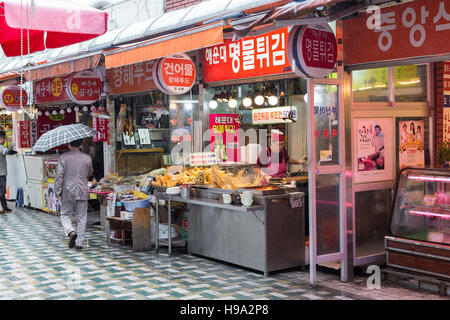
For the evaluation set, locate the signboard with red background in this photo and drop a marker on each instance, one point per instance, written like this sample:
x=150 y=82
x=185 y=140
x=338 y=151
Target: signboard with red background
x=51 y=90
x=26 y=138
x=174 y=74
x=247 y=58
x=10 y=98
x=312 y=50
x=47 y=123
x=226 y=126
x=101 y=125
x=131 y=78
x=413 y=29
x=84 y=87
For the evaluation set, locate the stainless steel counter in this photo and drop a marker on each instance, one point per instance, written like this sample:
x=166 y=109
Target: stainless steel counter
x=267 y=236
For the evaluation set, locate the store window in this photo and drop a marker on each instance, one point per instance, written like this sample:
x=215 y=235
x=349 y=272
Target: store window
x=260 y=107
x=371 y=85
x=410 y=83
x=374 y=85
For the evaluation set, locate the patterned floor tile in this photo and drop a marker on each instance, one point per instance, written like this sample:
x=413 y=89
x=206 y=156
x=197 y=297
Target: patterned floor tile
x=44 y=268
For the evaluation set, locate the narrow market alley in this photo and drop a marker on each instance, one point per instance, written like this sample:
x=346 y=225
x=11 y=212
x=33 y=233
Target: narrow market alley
x=35 y=263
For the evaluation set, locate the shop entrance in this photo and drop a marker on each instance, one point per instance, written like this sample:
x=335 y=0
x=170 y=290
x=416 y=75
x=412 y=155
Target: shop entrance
x=326 y=149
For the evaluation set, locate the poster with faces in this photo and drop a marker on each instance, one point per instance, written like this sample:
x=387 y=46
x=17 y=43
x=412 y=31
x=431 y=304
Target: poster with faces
x=373 y=145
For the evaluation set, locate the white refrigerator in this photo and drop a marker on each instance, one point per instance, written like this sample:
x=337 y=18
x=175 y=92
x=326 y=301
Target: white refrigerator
x=35 y=193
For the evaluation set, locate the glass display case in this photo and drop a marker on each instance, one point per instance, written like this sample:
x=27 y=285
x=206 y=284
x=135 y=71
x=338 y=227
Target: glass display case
x=419 y=224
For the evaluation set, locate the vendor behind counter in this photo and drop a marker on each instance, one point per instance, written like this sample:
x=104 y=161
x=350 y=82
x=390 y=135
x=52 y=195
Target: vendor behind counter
x=273 y=160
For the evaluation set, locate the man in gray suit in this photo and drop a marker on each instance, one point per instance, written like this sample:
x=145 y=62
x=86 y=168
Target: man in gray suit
x=74 y=168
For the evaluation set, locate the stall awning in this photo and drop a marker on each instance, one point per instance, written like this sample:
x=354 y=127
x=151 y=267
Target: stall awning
x=8 y=76
x=63 y=68
x=304 y=12
x=185 y=41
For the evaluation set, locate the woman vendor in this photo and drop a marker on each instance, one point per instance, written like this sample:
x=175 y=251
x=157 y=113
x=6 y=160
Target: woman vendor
x=273 y=160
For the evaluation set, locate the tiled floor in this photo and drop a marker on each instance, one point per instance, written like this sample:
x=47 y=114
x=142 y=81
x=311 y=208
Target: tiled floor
x=35 y=263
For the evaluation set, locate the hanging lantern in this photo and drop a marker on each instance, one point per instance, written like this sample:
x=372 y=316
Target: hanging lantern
x=85 y=109
x=47 y=113
x=39 y=113
x=77 y=109
x=69 y=110
x=62 y=111
x=93 y=109
x=54 y=112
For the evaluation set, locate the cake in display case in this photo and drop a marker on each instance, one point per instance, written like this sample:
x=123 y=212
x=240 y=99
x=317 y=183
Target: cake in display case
x=418 y=238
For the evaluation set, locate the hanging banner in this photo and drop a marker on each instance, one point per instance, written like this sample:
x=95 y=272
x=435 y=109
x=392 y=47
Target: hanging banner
x=174 y=74
x=411 y=143
x=373 y=145
x=51 y=90
x=10 y=98
x=24 y=134
x=131 y=78
x=312 y=50
x=101 y=125
x=413 y=29
x=249 y=57
x=84 y=87
x=224 y=137
x=273 y=115
x=46 y=123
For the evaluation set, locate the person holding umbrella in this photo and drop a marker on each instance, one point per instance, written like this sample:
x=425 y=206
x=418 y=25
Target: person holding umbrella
x=73 y=170
x=3 y=171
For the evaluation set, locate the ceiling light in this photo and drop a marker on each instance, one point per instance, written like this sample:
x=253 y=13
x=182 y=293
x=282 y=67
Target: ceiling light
x=213 y=104
x=247 y=102
x=273 y=100
x=232 y=103
x=259 y=100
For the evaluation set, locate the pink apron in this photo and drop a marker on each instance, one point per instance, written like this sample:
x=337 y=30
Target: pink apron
x=276 y=170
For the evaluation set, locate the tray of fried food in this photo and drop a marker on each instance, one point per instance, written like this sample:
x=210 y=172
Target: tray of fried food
x=165 y=181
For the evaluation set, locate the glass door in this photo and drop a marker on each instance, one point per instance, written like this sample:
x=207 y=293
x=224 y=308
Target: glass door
x=326 y=149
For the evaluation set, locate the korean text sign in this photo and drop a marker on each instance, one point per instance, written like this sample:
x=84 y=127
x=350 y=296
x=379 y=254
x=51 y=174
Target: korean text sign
x=249 y=57
x=51 y=90
x=101 y=125
x=47 y=123
x=273 y=115
x=131 y=78
x=413 y=29
x=25 y=134
x=224 y=127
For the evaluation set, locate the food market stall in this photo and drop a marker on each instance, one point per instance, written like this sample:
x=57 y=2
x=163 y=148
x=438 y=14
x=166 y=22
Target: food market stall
x=234 y=217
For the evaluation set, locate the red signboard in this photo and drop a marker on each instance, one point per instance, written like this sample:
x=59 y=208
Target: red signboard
x=25 y=134
x=47 y=123
x=84 y=87
x=313 y=50
x=131 y=78
x=51 y=90
x=414 y=29
x=224 y=137
x=247 y=58
x=10 y=98
x=174 y=74
x=101 y=125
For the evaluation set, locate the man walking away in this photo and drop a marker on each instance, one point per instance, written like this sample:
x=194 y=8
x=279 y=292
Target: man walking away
x=3 y=171
x=74 y=168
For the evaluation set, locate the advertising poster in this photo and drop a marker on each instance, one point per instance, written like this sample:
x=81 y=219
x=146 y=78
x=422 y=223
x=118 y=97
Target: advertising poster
x=373 y=145
x=411 y=144
x=224 y=137
x=51 y=197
